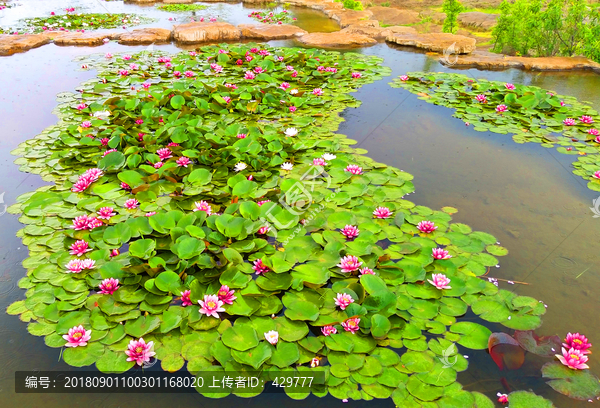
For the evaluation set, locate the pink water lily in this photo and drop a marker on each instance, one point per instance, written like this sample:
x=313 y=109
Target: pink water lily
x=481 y=98
x=216 y=67
x=249 y=75
x=158 y=165
x=382 y=212
x=260 y=267
x=319 y=161
x=123 y=72
x=586 y=119
x=440 y=281
x=573 y=358
x=343 y=300
x=125 y=186
x=351 y=325
x=366 y=271
x=126 y=57
x=293 y=109
x=134 y=67
x=594 y=132
x=226 y=295
x=109 y=151
x=578 y=342
x=176 y=74
x=501 y=108
x=241 y=135
x=349 y=263
x=263 y=230
x=439 y=253
x=79 y=248
x=328 y=330
x=403 y=78
x=189 y=74
x=356 y=75
x=317 y=92
x=183 y=161
x=105 y=213
x=85 y=222
x=81 y=106
x=211 y=306
x=354 y=169
x=509 y=86
x=86 y=124
x=202 y=206
x=109 y=286
x=596 y=174
x=74 y=266
x=232 y=86
x=132 y=204
x=569 y=122
x=426 y=227
x=502 y=398
x=77 y=336
x=272 y=337
x=284 y=85
x=227 y=99
x=140 y=351
x=146 y=85
x=350 y=231
x=185 y=298
x=262 y=202
x=164 y=153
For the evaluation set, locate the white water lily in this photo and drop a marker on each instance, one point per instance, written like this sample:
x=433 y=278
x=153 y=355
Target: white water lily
x=287 y=166
x=294 y=91
x=291 y=132
x=240 y=166
x=102 y=114
x=272 y=337
x=329 y=156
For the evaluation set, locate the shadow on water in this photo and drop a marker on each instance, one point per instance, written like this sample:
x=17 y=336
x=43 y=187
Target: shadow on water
x=523 y=194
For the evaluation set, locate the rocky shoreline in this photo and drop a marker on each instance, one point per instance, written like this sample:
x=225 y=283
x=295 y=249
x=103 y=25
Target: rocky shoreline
x=358 y=29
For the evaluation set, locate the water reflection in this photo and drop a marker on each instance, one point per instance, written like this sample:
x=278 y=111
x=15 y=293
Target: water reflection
x=523 y=194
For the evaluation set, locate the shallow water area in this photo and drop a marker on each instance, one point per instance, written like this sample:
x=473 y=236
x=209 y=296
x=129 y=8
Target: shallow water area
x=233 y=13
x=525 y=195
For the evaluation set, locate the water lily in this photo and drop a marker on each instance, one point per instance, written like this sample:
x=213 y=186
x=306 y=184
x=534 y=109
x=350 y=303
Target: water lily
x=439 y=253
x=260 y=203
x=176 y=74
x=134 y=67
x=291 y=132
x=109 y=286
x=81 y=106
x=328 y=330
x=578 y=342
x=594 y=132
x=185 y=298
x=202 y=206
x=501 y=108
x=241 y=135
x=126 y=57
x=105 y=213
x=284 y=85
x=350 y=231
x=509 y=86
x=79 y=248
x=272 y=337
x=260 y=267
x=573 y=358
x=240 y=166
x=349 y=263
x=382 y=212
x=586 y=119
x=403 y=78
x=108 y=55
x=315 y=362
x=319 y=161
x=356 y=75
x=351 y=325
x=317 y=92
x=164 y=153
x=263 y=230
x=596 y=174
x=502 y=398
x=150 y=213
x=77 y=336
x=140 y=351
x=440 y=281
x=125 y=186
x=86 y=124
x=102 y=114
x=211 y=305
x=85 y=222
x=183 y=161
x=131 y=204
x=426 y=227
x=123 y=72
x=226 y=295
x=109 y=151
x=569 y=122
x=481 y=98
x=249 y=75
x=287 y=166
x=74 y=266
x=353 y=169
x=366 y=271
x=343 y=300
x=329 y=156
x=293 y=109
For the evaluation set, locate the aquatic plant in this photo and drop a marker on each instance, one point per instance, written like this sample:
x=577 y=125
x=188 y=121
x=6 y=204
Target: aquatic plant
x=530 y=113
x=181 y=8
x=283 y=17
x=207 y=256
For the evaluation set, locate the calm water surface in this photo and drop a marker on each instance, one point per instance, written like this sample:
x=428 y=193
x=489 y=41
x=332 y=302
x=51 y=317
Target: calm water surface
x=523 y=194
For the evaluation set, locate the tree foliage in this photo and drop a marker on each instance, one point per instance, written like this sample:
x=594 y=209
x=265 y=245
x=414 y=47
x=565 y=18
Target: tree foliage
x=452 y=8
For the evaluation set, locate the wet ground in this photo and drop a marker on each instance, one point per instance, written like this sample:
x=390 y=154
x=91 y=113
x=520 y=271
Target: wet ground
x=525 y=195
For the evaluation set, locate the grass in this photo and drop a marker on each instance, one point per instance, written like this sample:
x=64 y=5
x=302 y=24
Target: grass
x=181 y=8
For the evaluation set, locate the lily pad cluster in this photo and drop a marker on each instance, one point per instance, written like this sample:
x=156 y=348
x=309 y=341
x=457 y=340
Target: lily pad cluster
x=271 y=17
x=529 y=113
x=181 y=8
x=178 y=175
x=78 y=21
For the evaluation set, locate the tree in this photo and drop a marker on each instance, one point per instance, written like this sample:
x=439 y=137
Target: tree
x=452 y=8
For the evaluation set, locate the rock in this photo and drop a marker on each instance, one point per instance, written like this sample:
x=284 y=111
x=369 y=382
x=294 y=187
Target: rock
x=377 y=33
x=140 y=1
x=348 y=17
x=394 y=16
x=478 y=20
x=489 y=60
x=266 y=32
x=193 y=33
x=146 y=36
x=437 y=42
x=12 y=44
x=336 y=39
x=86 y=39
x=178 y=1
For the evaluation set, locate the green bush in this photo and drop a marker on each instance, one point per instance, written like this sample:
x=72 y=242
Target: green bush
x=452 y=8
x=542 y=28
x=353 y=5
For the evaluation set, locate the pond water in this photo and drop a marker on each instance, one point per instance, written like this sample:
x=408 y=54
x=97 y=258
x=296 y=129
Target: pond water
x=233 y=13
x=525 y=195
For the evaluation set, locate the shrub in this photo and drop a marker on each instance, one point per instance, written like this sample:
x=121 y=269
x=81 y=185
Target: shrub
x=353 y=5
x=452 y=8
